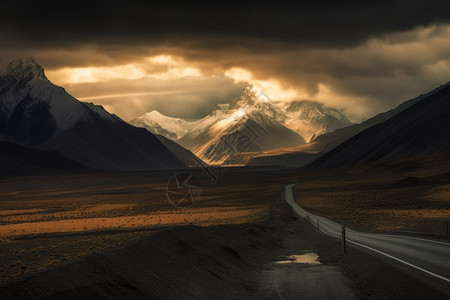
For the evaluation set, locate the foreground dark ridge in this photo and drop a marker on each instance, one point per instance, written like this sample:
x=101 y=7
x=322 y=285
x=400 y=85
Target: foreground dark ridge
x=421 y=129
x=234 y=261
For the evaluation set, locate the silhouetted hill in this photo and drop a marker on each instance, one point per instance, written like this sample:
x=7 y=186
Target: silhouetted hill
x=421 y=129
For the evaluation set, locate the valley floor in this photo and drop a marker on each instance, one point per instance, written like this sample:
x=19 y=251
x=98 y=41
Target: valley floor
x=409 y=196
x=117 y=236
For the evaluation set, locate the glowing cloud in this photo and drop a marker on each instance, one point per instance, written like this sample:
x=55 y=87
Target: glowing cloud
x=95 y=74
x=164 y=67
x=265 y=89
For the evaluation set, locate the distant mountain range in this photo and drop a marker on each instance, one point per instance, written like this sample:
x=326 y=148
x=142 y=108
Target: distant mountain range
x=311 y=119
x=38 y=114
x=305 y=154
x=45 y=130
x=249 y=123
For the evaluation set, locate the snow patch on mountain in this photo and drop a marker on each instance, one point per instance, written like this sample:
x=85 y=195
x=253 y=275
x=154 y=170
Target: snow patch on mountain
x=155 y=122
x=249 y=122
x=250 y=116
x=311 y=119
x=307 y=118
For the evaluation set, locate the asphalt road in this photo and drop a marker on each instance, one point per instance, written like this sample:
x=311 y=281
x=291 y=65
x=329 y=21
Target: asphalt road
x=429 y=258
x=294 y=281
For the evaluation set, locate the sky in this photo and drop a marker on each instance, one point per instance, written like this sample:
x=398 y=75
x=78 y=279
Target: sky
x=184 y=57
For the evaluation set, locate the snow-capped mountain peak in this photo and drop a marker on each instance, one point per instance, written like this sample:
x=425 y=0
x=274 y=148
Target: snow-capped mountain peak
x=250 y=117
x=156 y=122
x=260 y=94
x=306 y=109
x=255 y=104
x=249 y=96
x=311 y=119
x=15 y=81
x=37 y=113
x=157 y=116
x=24 y=88
x=24 y=69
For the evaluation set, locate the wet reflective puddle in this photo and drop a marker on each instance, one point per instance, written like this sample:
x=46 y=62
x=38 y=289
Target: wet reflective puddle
x=306 y=258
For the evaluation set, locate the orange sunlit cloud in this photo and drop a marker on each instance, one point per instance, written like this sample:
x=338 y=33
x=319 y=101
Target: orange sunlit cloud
x=159 y=67
x=362 y=80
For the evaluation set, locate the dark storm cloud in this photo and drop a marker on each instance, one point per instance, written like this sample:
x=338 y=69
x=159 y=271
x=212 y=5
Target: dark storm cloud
x=324 y=23
x=369 y=55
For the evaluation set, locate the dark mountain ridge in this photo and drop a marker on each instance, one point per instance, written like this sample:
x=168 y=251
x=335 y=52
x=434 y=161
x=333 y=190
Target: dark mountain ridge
x=39 y=114
x=421 y=129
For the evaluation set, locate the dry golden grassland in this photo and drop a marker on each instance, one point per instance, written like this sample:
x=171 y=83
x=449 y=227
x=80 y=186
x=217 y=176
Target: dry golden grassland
x=46 y=221
x=382 y=197
x=49 y=220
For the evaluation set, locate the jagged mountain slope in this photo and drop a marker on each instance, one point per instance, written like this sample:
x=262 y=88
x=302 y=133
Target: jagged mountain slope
x=420 y=129
x=246 y=124
x=286 y=126
x=39 y=114
x=157 y=123
x=189 y=158
x=311 y=119
x=301 y=156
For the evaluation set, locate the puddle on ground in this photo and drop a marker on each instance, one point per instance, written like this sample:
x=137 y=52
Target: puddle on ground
x=307 y=258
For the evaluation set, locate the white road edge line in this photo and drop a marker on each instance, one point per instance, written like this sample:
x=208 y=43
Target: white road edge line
x=380 y=252
x=414 y=238
x=390 y=256
x=400 y=260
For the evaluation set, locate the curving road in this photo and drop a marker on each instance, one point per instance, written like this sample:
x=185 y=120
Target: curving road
x=428 y=257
